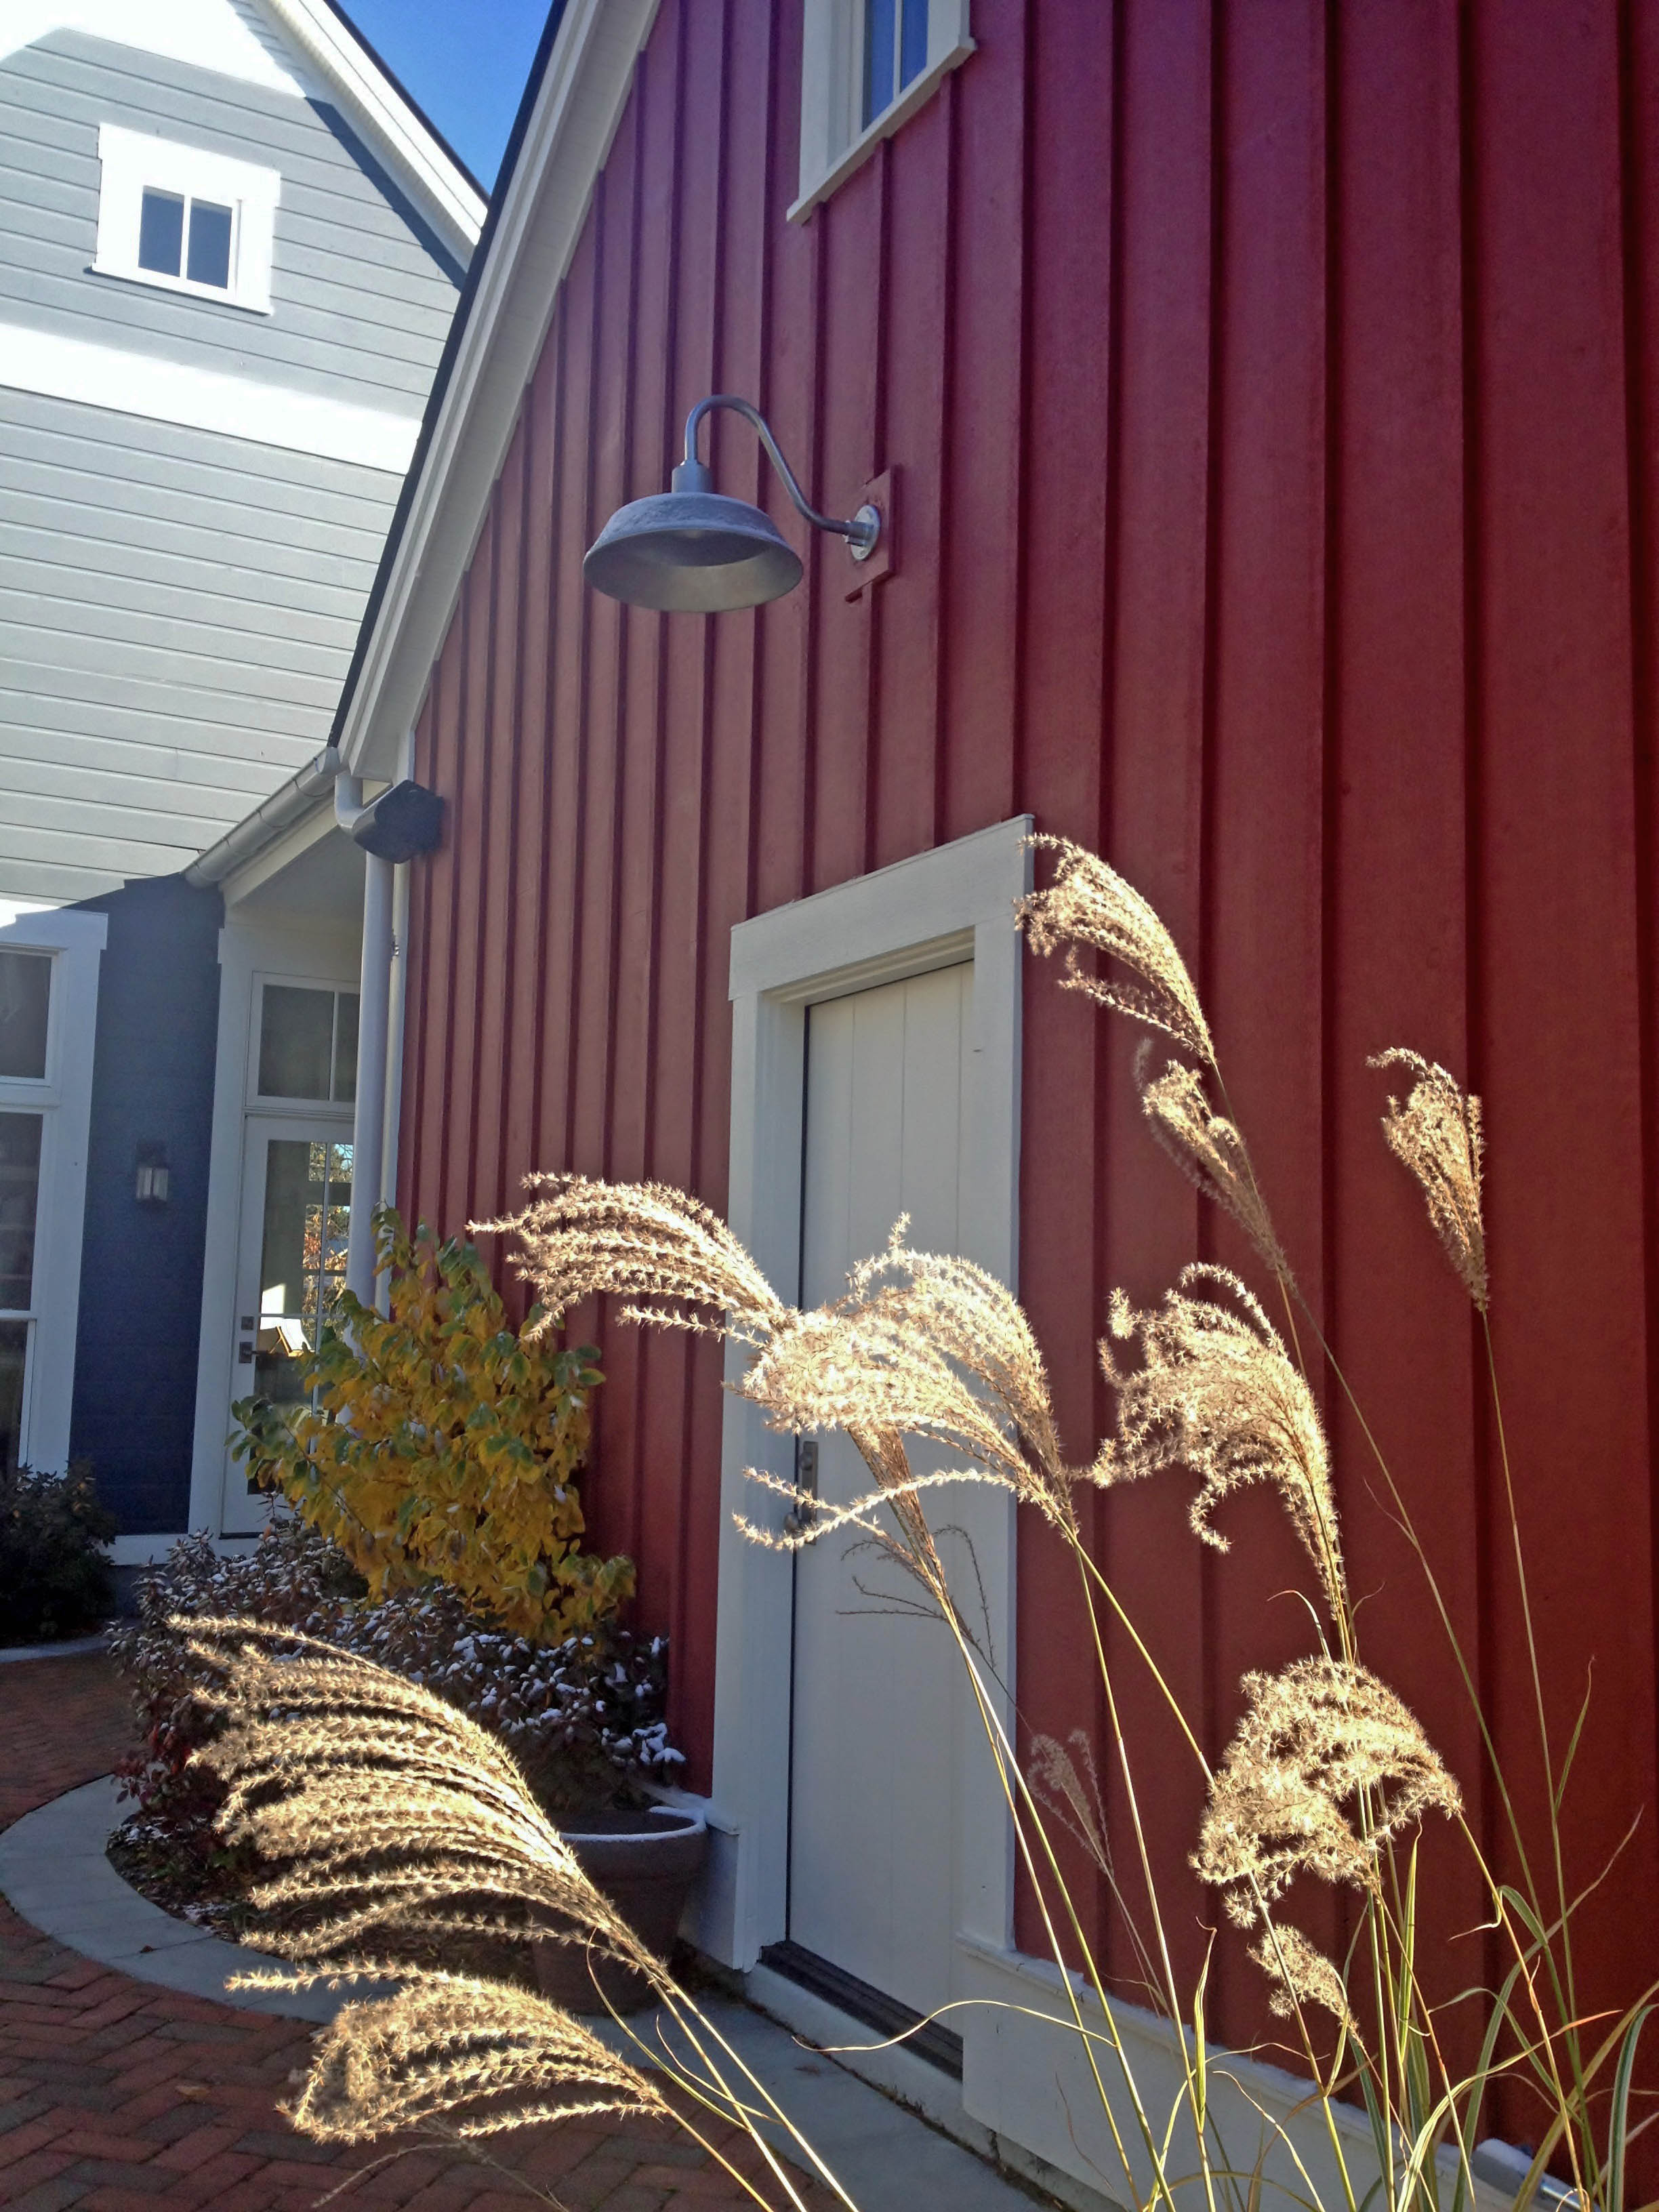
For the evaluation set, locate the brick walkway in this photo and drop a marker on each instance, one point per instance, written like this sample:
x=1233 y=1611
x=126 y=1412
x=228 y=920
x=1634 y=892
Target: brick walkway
x=118 y=2096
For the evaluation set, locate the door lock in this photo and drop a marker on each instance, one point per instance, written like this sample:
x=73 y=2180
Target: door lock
x=798 y=1521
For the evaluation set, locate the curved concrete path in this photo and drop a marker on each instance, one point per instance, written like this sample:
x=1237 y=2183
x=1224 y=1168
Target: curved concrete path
x=55 y=1873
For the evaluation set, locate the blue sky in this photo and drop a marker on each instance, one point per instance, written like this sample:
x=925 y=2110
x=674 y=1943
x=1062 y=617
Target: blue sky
x=465 y=61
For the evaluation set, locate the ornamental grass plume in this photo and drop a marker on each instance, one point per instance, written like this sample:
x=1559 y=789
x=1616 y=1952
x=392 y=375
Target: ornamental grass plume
x=479 y=2056
x=1300 y=1974
x=393 y=1814
x=578 y=1238
x=1319 y=1735
x=1089 y=904
x=1209 y=1151
x=1436 y=1132
x=1217 y=1394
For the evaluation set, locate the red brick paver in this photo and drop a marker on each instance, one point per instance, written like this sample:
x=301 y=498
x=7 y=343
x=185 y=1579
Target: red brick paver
x=118 y=2096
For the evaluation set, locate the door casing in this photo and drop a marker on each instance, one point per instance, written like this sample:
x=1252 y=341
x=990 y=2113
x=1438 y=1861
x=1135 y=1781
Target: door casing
x=934 y=910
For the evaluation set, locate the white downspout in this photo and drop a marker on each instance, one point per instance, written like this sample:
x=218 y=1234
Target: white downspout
x=392 y=1120
x=373 y=1032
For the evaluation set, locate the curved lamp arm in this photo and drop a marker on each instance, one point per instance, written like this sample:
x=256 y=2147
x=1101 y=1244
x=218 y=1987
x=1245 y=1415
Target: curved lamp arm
x=860 y=530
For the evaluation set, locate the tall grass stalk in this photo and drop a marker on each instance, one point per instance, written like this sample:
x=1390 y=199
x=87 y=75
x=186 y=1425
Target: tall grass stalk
x=1327 y=1777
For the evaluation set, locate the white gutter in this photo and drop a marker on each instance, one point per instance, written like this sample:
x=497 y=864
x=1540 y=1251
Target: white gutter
x=303 y=794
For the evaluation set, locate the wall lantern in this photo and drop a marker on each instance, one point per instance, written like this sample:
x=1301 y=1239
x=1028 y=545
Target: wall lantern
x=689 y=550
x=152 y=1176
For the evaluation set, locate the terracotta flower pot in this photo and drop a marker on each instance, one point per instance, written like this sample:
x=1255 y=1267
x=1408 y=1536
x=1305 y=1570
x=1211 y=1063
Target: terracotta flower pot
x=645 y=1863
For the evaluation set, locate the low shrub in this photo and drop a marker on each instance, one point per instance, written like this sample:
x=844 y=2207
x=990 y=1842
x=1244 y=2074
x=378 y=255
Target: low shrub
x=54 y=1574
x=585 y=1717
x=443 y=1444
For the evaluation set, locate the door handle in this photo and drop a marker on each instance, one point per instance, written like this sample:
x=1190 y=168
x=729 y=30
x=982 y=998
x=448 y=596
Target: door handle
x=798 y=1521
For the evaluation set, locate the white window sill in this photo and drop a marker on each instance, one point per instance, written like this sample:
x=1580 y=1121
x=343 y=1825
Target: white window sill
x=916 y=94
x=154 y=281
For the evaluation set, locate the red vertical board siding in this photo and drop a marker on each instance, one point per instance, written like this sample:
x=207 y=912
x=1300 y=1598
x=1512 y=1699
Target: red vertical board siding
x=1271 y=397
x=1553 y=940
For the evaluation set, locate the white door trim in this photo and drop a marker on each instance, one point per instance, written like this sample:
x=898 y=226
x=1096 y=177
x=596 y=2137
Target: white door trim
x=249 y=954
x=928 y=912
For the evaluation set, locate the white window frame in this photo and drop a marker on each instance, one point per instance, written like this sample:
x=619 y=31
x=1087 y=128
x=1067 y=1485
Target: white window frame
x=834 y=141
x=134 y=163
x=63 y=1098
x=264 y=1102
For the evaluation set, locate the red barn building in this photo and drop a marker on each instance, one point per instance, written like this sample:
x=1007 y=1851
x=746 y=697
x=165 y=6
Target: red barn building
x=1268 y=397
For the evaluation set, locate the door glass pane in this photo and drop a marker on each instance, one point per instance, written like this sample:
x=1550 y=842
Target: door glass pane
x=20 y=1189
x=210 y=244
x=25 y=995
x=14 y=1363
x=296 y=1040
x=302 y=1258
x=161 y=233
x=345 y=1049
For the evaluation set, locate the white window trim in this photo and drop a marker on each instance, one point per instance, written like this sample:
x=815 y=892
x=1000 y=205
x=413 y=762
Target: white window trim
x=132 y=162
x=832 y=142
x=64 y=1099
x=263 y=1103
x=925 y=912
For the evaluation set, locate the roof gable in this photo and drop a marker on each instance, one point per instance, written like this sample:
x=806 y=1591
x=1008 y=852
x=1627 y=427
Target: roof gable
x=301 y=48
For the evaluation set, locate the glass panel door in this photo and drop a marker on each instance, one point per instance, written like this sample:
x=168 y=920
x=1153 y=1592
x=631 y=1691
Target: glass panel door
x=20 y=1198
x=297 y=1214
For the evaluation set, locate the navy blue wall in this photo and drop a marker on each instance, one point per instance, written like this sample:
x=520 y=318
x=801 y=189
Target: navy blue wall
x=141 y=1269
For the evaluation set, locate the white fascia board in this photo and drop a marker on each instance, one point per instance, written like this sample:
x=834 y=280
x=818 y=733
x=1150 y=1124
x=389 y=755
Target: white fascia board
x=163 y=391
x=584 y=90
x=375 y=108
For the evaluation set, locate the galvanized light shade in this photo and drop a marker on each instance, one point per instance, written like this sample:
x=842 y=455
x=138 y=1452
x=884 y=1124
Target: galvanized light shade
x=691 y=551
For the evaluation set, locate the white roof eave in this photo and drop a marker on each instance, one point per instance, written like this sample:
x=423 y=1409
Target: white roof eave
x=583 y=89
x=380 y=113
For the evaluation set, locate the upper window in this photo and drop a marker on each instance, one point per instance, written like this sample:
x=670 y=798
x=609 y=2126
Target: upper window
x=308 y=1044
x=866 y=65
x=185 y=220
x=25 y=1004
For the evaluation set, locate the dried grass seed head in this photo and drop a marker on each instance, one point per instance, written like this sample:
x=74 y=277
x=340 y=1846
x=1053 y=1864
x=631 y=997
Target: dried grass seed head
x=483 y=2055
x=1216 y=1393
x=389 y=1811
x=1303 y=1975
x=1209 y=1150
x=1436 y=1132
x=1313 y=1739
x=673 y=1258
x=1088 y=903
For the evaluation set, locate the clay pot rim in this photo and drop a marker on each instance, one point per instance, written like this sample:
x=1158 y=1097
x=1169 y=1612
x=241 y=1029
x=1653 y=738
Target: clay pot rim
x=676 y=1823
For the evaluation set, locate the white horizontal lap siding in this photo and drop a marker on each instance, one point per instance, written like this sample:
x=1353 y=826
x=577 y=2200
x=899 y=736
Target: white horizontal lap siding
x=160 y=674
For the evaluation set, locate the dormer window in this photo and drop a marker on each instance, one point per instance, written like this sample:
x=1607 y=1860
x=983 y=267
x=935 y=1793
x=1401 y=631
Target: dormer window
x=185 y=220
x=866 y=66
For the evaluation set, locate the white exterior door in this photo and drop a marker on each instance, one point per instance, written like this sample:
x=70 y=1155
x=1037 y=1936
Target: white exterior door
x=879 y=1705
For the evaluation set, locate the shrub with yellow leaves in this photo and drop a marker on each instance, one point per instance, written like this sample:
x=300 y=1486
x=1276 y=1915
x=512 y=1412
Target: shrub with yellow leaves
x=437 y=1442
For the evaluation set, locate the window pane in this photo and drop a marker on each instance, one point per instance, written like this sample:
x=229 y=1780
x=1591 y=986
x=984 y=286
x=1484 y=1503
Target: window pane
x=20 y=1191
x=210 y=244
x=14 y=1363
x=296 y=1034
x=345 y=1047
x=24 y=993
x=161 y=233
x=879 y=28
x=913 y=42
x=302 y=1258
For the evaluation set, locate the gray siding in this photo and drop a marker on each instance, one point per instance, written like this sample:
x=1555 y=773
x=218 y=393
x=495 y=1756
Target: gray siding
x=362 y=292
x=177 y=610
x=178 y=607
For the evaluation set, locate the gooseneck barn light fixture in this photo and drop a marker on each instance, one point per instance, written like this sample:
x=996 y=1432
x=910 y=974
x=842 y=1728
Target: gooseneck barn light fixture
x=691 y=551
